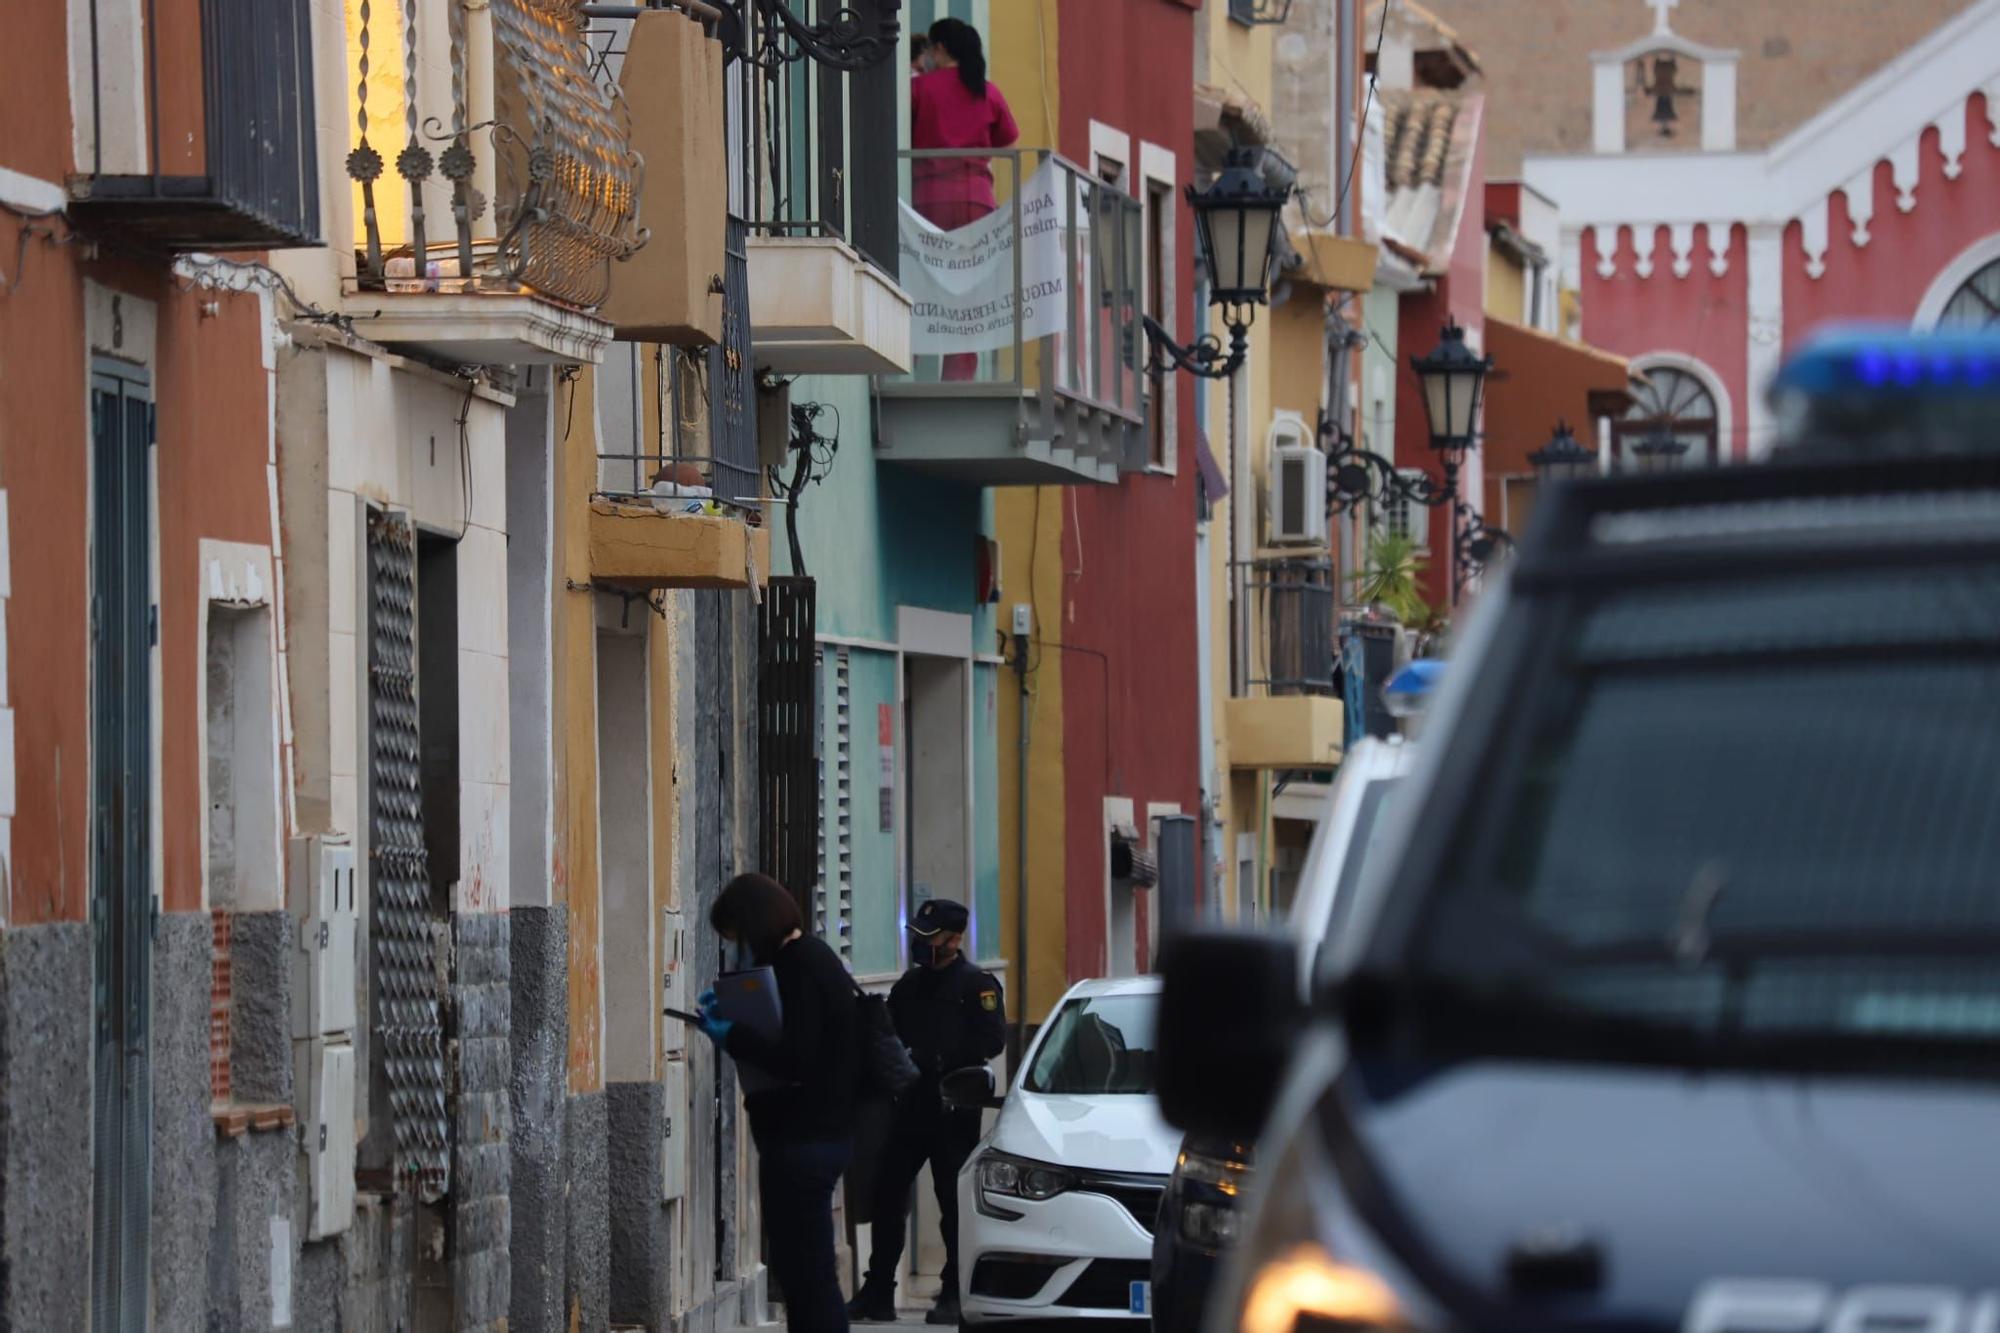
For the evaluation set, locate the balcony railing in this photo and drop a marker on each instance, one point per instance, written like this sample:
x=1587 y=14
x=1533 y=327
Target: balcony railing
x=679 y=424
x=508 y=169
x=819 y=159
x=1300 y=632
x=1039 y=305
x=227 y=160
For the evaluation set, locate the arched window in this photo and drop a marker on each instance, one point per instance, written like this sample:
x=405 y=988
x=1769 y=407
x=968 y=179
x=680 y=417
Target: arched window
x=1673 y=401
x=1975 y=306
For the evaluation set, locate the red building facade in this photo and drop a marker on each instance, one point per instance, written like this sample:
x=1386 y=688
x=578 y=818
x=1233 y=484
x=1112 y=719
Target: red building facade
x=1131 y=650
x=1710 y=264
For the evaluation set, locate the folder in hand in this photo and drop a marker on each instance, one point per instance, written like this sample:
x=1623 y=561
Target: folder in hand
x=751 y=998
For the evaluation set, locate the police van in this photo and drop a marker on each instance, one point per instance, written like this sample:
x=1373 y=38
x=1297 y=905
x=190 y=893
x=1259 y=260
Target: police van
x=1672 y=1001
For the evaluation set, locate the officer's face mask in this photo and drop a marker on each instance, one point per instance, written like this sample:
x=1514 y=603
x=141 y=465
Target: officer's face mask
x=932 y=950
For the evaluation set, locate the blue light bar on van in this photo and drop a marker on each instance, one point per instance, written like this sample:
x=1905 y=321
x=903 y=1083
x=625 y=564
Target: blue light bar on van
x=1893 y=361
x=1409 y=689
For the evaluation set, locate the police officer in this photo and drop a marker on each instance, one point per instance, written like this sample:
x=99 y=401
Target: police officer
x=951 y=1016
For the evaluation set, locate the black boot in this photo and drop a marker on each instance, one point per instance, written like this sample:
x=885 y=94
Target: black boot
x=873 y=1304
x=945 y=1312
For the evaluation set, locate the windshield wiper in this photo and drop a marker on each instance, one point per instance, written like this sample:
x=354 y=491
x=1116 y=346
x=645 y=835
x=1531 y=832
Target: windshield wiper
x=1689 y=940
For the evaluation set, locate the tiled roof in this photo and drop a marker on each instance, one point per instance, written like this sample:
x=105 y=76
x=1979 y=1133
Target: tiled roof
x=1416 y=133
x=1428 y=140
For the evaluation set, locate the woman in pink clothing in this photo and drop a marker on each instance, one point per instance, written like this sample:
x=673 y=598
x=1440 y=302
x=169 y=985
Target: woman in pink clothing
x=953 y=106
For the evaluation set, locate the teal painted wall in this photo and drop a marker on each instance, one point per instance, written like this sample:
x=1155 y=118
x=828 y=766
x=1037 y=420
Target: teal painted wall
x=875 y=538
x=987 y=681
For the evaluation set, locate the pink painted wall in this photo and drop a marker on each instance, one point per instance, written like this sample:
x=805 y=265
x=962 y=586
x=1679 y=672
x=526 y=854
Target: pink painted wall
x=1701 y=315
x=1887 y=278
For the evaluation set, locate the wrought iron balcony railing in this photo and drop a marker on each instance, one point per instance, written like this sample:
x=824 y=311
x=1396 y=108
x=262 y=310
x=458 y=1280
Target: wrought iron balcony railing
x=1301 y=641
x=679 y=424
x=224 y=160
x=820 y=157
x=508 y=169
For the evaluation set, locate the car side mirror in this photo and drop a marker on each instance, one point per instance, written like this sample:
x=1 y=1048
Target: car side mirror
x=969 y=1089
x=1229 y=1013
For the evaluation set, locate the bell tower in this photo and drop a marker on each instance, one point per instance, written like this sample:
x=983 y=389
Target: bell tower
x=1659 y=64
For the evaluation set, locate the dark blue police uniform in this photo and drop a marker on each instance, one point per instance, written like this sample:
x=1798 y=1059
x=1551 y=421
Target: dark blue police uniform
x=951 y=1017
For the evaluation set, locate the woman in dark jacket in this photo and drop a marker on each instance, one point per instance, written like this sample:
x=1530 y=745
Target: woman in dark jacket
x=803 y=1127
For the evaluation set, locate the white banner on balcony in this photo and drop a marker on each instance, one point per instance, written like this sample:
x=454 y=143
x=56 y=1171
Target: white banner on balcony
x=962 y=281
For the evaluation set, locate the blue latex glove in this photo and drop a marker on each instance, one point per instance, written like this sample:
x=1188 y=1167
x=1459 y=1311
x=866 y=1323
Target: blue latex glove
x=714 y=1027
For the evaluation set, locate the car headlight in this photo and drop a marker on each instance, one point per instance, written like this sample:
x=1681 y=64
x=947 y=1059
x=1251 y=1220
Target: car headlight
x=1018 y=1178
x=1306 y=1287
x=1212 y=1226
x=1224 y=1173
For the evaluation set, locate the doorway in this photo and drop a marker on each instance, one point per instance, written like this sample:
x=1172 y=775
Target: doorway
x=937 y=851
x=121 y=882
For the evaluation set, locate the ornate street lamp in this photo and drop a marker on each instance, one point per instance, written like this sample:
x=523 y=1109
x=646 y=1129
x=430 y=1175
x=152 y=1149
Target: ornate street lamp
x=1660 y=451
x=1563 y=458
x=1237 y=218
x=1454 y=381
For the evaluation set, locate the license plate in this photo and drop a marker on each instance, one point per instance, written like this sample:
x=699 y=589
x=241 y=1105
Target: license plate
x=1141 y=1298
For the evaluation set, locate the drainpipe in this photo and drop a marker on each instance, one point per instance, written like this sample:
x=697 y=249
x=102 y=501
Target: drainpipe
x=1019 y=1044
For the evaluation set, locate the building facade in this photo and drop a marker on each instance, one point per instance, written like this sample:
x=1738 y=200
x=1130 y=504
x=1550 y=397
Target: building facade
x=1704 y=260
x=389 y=715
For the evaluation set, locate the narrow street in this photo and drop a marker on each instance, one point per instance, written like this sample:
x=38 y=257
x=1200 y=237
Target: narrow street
x=646 y=648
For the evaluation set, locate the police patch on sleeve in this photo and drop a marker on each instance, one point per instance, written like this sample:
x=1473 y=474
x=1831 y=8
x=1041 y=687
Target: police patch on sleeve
x=989 y=1000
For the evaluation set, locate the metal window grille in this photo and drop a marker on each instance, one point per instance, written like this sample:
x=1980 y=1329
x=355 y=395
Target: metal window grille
x=406 y=1002
x=836 y=906
x=787 y=715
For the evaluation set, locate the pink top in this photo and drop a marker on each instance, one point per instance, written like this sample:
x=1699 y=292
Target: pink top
x=945 y=114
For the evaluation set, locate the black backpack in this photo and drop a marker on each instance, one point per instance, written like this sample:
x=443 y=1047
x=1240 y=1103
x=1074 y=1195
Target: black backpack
x=887 y=1071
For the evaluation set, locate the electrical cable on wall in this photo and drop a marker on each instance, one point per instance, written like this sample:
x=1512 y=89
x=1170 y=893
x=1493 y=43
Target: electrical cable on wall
x=812 y=463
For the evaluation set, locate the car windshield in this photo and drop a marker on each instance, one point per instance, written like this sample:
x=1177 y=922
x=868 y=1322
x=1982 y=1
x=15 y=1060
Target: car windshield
x=1741 y=814
x=1096 y=1046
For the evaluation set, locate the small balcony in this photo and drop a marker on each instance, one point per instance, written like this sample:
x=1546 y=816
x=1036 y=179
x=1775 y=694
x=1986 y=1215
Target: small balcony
x=223 y=153
x=494 y=178
x=818 y=190
x=1029 y=351
x=1286 y=714
x=678 y=497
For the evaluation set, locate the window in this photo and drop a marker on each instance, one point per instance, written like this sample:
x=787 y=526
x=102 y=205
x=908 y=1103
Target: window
x=1099 y=1045
x=1668 y=401
x=1975 y=306
x=1758 y=885
x=1158 y=279
x=1407 y=518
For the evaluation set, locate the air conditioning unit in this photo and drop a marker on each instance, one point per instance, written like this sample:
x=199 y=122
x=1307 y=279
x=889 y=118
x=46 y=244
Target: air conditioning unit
x=1297 y=513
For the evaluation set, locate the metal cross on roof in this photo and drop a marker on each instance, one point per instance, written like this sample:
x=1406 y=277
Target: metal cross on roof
x=1662 y=10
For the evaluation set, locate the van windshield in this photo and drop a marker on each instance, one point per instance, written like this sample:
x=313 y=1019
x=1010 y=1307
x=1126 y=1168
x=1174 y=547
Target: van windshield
x=1098 y=1045
x=1750 y=814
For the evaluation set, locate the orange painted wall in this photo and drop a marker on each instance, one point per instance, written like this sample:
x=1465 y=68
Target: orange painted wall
x=210 y=473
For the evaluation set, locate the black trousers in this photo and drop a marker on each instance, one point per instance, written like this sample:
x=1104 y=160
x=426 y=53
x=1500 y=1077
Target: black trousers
x=795 y=1183
x=920 y=1134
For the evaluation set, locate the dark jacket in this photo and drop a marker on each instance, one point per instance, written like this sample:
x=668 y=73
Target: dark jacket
x=950 y=1017
x=817 y=1052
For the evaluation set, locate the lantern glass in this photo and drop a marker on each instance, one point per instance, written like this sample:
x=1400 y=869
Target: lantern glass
x=1237 y=216
x=1563 y=458
x=1454 y=380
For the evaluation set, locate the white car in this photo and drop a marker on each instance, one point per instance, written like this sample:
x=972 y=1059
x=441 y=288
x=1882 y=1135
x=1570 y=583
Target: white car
x=1056 y=1206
